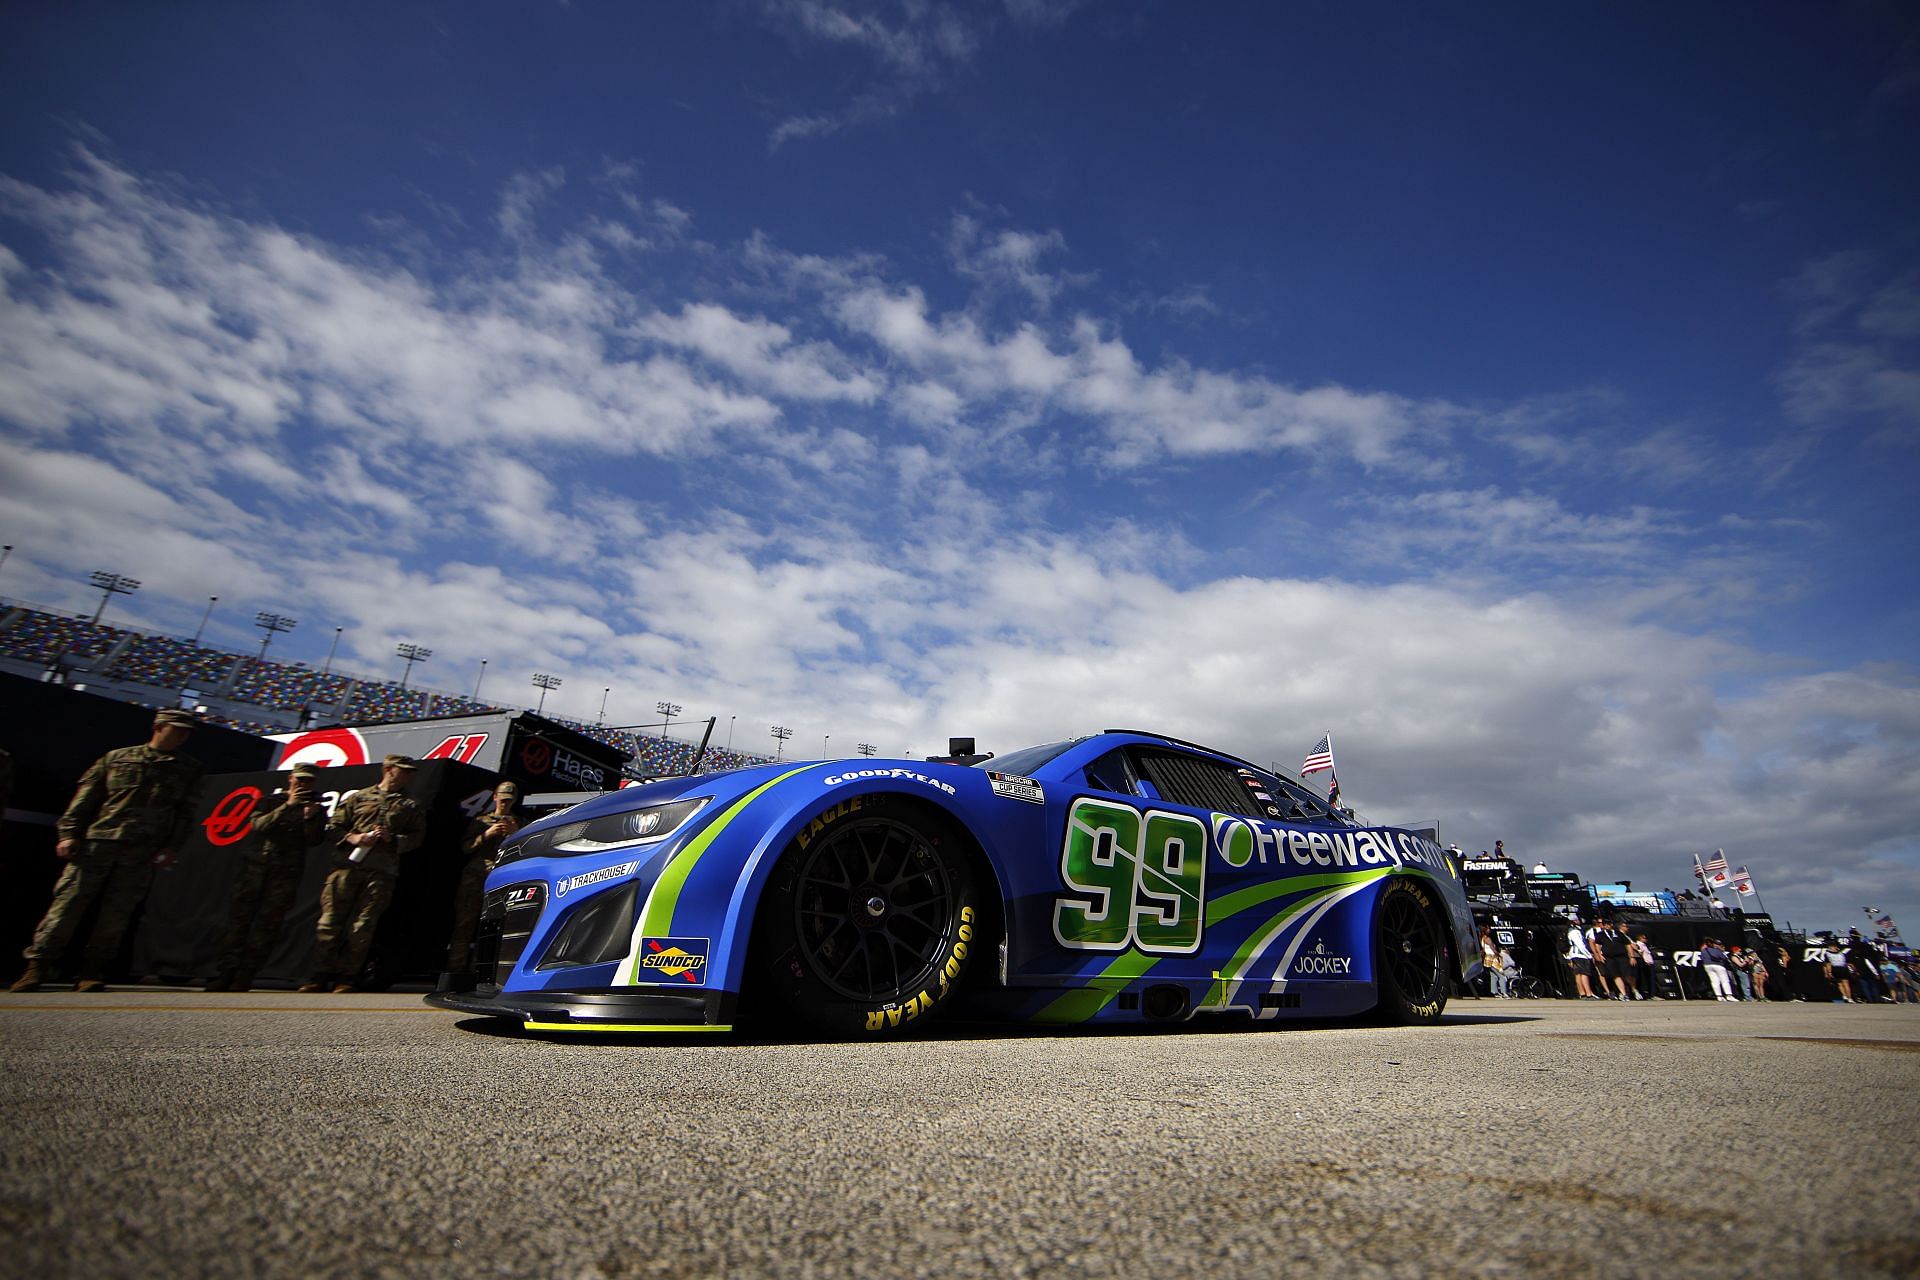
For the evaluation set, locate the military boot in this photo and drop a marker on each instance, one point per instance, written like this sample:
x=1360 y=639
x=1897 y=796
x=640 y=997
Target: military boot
x=28 y=981
x=89 y=984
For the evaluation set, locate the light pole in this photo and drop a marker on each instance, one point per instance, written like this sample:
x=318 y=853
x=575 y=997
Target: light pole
x=730 y=720
x=780 y=734
x=825 y=738
x=669 y=710
x=865 y=748
x=412 y=653
x=330 y=648
x=544 y=683
x=271 y=624
x=111 y=584
x=4 y=553
x=477 y=679
x=603 y=705
x=211 y=601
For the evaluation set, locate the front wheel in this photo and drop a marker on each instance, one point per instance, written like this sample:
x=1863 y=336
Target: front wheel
x=870 y=919
x=1409 y=955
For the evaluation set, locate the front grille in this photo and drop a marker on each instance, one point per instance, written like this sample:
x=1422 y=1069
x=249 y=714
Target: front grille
x=507 y=918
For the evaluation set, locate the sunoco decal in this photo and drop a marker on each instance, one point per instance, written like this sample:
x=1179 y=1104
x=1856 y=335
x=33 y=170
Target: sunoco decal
x=859 y=775
x=561 y=888
x=681 y=960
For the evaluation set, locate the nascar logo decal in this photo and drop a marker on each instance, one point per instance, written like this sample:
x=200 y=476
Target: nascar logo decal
x=684 y=959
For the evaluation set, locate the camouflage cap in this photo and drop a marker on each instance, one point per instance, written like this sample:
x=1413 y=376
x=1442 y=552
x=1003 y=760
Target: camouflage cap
x=397 y=761
x=509 y=789
x=174 y=719
x=304 y=771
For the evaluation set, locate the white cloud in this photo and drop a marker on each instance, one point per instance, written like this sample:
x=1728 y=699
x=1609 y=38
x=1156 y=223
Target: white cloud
x=763 y=354
x=1858 y=333
x=520 y=202
x=1009 y=259
x=914 y=45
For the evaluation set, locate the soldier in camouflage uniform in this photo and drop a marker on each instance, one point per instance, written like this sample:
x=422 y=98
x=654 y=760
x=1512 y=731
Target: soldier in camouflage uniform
x=130 y=814
x=481 y=843
x=267 y=877
x=375 y=827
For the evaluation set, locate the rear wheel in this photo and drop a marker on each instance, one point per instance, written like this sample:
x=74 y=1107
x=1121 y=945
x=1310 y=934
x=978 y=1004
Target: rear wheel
x=1410 y=955
x=870 y=918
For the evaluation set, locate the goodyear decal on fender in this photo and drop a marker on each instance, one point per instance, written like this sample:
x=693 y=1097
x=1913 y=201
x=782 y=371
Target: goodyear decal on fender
x=656 y=917
x=680 y=960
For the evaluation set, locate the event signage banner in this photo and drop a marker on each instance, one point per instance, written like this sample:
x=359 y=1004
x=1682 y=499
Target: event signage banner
x=535 y=752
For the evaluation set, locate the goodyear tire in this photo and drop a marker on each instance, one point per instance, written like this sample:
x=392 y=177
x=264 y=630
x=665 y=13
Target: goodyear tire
x=870 y=919
x=1410 y=955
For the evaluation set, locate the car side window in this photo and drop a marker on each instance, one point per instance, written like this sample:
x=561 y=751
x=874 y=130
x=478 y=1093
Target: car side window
x=1304 y=803
x=1112 y=773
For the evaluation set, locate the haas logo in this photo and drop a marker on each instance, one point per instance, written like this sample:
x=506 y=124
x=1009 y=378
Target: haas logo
x=327 y=748
x=537 y=756
x=228 y=821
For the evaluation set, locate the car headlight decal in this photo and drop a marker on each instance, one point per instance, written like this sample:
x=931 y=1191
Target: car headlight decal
x=608 y=831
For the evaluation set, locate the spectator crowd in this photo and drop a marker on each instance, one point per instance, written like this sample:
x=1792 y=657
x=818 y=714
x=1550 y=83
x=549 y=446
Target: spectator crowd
x=1603 y=960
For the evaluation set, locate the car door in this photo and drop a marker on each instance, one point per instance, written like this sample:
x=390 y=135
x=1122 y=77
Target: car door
x=1135 y=861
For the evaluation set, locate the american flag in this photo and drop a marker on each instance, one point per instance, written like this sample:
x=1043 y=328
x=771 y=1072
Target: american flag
x=1718 y=862
x=1743 y=884
x=1321 y=757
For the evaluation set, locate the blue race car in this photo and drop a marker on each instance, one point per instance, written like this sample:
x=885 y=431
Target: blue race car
x=1121 y=877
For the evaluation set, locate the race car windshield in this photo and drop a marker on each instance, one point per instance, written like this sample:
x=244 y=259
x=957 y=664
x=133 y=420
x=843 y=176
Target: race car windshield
x=1025 y=760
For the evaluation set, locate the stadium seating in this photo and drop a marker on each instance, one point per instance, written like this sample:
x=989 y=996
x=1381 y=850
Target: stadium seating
x=34 y=636
x=162 y=662
x=166 y=663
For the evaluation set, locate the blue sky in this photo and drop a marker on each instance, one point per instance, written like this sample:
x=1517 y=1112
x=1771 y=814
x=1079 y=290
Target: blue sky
x=1529 y=397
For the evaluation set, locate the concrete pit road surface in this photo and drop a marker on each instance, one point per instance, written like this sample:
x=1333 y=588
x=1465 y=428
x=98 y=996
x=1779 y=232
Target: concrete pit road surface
x=153 y=1131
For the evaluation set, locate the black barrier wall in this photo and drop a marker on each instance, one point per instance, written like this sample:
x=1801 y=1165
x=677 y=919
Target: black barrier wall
x=179 y=935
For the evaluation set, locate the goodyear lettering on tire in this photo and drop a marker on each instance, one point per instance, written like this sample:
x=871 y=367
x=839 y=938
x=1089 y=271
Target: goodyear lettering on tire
x=893 y=1016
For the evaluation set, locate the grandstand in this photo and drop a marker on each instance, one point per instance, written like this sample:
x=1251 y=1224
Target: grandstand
x=264 y=697
x=161 y=662
x=288 y=686
x=31 y=635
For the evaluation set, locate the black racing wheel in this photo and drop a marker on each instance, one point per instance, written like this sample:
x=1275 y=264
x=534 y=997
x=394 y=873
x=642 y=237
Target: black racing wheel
x=870 y=918
x=1409 y=954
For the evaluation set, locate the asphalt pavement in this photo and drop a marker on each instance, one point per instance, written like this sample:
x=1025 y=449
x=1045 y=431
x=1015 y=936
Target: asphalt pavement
x=150 y=1131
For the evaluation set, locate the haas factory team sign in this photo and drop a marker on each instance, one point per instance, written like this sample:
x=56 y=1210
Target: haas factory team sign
x=517 y=744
